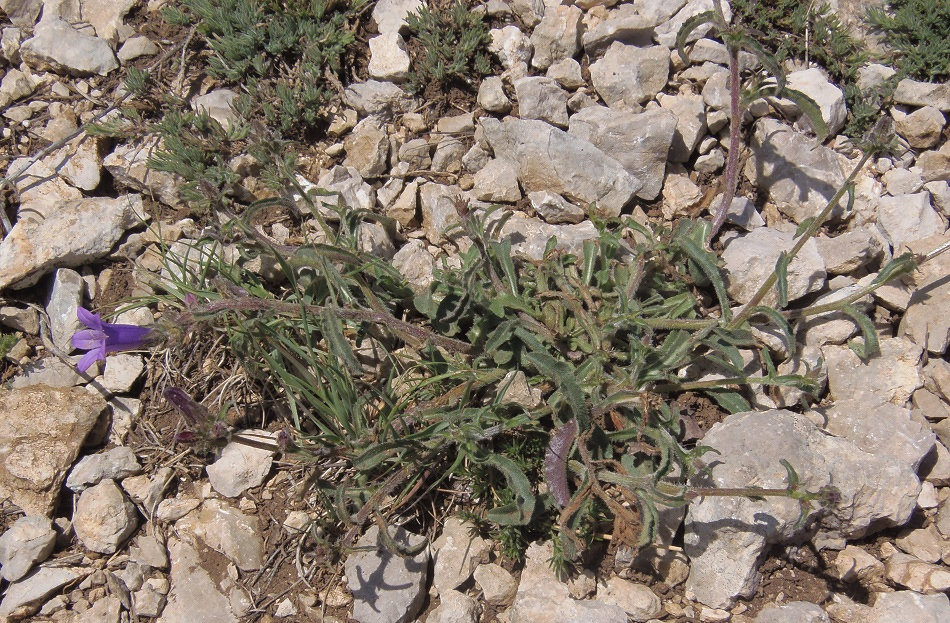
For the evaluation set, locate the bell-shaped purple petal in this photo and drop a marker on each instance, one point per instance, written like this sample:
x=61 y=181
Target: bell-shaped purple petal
x=105 y=337
x=194 y=413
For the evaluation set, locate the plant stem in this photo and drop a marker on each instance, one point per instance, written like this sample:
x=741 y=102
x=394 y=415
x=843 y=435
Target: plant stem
x=812 y=229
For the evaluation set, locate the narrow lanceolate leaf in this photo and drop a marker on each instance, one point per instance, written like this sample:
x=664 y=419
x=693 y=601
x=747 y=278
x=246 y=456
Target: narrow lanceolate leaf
x=339 y=346
x=691 y=24
x=771 y=64
x=703 y=259
x=803 y=226
x=782 y=323
x=555 y=462
x=871 y=346
x=563 y=377
x=729 y=400
x=519 y=512
x=781 y=281
x=901 y=265
x=808 y=106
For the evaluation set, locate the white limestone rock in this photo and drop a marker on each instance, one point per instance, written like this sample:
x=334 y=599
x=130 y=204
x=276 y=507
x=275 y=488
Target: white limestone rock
x=104 y=518
x=806 y=272
x=240 y=466
x=29 y=541
x=59 y=47
x=627 y=77
x=389 y=58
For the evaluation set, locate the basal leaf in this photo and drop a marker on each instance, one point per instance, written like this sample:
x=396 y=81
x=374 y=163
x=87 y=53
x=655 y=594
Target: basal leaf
x=518 y=512
x=705 y=260
x=731 y=401
x=564 y=379
x=555 y=462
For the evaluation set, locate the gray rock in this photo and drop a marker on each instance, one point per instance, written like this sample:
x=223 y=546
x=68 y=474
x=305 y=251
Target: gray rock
x=386 y=588
x=922 y=128
x=806 y=362
x=711 y=162
x=832 y=327
x=554 y=160
x=52 y=372
x=637 y=600
x=554 y=208
x=439 y=211
x=367 y=148
x=390 y=15
x=122 y=372
x=22 y=12
x=456 y=553
x=15 y=85
x=448 y=154
x=830 y=99
x=217 y=104
x=349 y=188
x=148 y=602
x=725 y=537
x=415 y=264
x=104 y=518
x=106 y=16
x=454 y=607
x=29 y=541
x=415 y=153
x=128 y=165
x=59 y=47
x=922 y=543
x=742 y=212
x=940 y=195
x=512 y=48
x=891 y=377
x=902 y=182
x=148 y=551
x=389 y=58
x=497 y=181
x=24 y=597
x=541 y=98
x=707 y=50
x=935 y=164
x=373 y=239
x=497 y=584
x=375 y=97
x=690 y=124
x=806 y=272
x=907 y=218
x=241 y=467
x=403 y=210
x=627 y=77
x=910 y=607
x=491 y=95
x=557 y=37
x=799 y=175
x=567 y=73
x=851 y=250
x=793 y=612
x=114 y=464
x=914 y=93
x=544 y=598
x=667 y=29
x=627 y=24
x=680 y=196
x=475 y=159
x=137 y=47
x=456 y=124
x=917 y=575
x=926 y=321
x=41 y=432
x=227 y=530
x=639 y=142
x=530 y=236
x=34 y=247
x=64 y=300
x=194 y=596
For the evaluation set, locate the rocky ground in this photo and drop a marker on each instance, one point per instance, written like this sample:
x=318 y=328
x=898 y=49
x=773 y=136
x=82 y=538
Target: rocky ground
x=103 y=523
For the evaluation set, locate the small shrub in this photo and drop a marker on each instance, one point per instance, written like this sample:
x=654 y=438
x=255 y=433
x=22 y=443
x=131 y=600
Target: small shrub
x=918 y=35
x=453 y=46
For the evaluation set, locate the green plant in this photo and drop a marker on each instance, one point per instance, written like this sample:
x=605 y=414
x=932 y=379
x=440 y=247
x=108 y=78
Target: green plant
x=283 y=53
x=7 y=342
x=917 y=32
x=811 y=32
x=453 y=47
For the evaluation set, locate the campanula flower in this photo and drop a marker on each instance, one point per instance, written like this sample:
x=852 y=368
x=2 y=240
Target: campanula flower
x=101 y=338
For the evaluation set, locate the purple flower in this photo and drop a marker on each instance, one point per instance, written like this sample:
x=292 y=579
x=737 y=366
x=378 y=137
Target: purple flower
x=102 y=338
